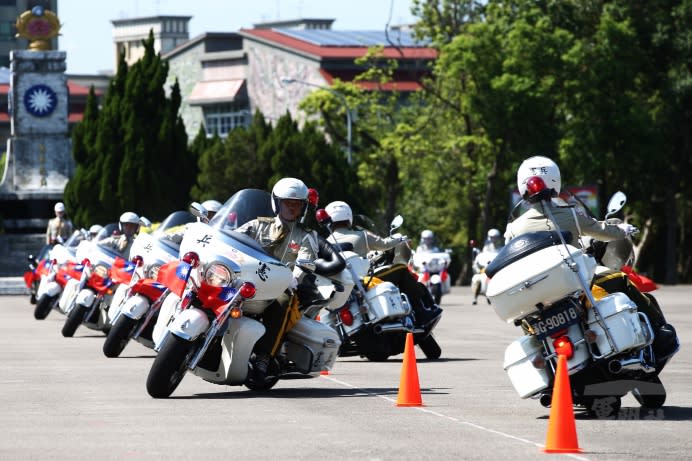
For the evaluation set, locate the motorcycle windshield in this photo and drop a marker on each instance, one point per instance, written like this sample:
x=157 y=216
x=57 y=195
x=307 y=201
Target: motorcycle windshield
x=174 y=222
x=243 y=206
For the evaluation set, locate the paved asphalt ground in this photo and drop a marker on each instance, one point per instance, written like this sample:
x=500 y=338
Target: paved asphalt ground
x=62 y=399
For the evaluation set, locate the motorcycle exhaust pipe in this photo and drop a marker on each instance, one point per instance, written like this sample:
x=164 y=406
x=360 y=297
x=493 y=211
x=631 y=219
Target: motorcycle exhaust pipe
x=388 y=328
x=618 y=366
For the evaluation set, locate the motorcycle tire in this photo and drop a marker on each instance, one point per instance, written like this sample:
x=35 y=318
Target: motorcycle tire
x=43 y=306
x=436 y=291
x=268 y=382
x=169 y=367
x=651 y=395
x=118 y=336
x=430 y=347
x=74 y=320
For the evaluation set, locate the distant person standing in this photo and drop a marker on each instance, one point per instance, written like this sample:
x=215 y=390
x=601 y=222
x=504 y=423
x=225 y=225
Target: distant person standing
x=59 y=228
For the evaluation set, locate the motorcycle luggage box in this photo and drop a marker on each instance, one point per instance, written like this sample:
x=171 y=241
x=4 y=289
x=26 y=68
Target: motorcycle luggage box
x=620 y=315
x=522 y=246
x=526 y=379
x=312 y=346
x=540 y=277
x=385 y=301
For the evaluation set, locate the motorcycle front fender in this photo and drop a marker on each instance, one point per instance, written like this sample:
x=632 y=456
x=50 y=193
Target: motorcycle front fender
x=189 y=324
x=85 y=297
x=135 y=307
x=50 y=288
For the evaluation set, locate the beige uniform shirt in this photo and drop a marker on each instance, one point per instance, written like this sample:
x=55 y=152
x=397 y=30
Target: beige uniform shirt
x=119 y=243
x=363 y=241
x=58 y=227
x=285 y=241
x=535 y=220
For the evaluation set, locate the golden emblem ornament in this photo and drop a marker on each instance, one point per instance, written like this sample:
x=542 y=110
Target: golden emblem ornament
x=39 y=26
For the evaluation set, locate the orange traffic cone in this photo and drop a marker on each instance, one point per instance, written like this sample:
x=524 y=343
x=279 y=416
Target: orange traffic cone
x=324 y=372
x=409 y=388
x=562 y=431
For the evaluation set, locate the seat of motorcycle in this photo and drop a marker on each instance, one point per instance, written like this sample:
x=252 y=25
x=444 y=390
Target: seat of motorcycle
x=522 y=246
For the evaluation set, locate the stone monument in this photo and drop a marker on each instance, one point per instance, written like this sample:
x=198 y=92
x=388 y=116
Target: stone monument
x=39 y=156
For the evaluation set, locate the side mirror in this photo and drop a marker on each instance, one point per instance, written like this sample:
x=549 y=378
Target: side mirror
x=615 y=204
x=199 y=211
x=396 y=223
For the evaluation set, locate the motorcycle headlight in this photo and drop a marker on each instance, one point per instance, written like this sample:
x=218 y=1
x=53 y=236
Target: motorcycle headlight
x=434 y=265
x=218 y=275
x=101 y=271
x=153 y=271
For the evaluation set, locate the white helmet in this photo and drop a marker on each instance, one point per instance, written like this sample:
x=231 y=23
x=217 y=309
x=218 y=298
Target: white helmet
x=59 y=207
x=340 y=211
x=212 y=206
x=493 y=234
x=128 y=218
x=95 y=229
x=427 y=234
x=289 y=188
x=539 y=166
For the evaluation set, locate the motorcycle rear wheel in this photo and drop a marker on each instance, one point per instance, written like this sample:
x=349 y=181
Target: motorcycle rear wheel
x=43 y=306
x=169 y=367
x=430 y=347
x=654 y=397
x=74 y=320
x=118 y=336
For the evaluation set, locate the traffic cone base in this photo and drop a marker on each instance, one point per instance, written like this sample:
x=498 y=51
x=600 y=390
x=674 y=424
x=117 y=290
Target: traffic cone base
x=562 y=430
x=409 y=387
x=324 y=372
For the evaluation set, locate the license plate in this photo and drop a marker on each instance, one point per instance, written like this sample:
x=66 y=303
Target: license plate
x=555 y=319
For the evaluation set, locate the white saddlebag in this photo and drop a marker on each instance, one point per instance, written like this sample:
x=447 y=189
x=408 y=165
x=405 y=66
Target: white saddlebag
x=620 y=315
x=540 y=277
x=312 y=346
x=526 y=379
x=385 y=302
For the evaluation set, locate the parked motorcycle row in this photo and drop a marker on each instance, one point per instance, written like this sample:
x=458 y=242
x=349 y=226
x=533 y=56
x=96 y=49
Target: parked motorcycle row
x=194 y=291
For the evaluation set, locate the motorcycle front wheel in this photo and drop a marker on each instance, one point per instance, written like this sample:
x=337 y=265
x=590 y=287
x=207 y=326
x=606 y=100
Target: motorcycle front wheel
x=436 y=291
x=169 y=367
x=118 y=336
x=43 y=306
x=74 y=320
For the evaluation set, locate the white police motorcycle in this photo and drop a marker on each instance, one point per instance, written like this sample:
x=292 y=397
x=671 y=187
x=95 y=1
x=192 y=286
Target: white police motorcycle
x=231 y=282
x=542 y=283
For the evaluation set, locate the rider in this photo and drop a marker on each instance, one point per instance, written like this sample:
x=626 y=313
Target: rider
x=128 y=224
x=427 y=242
x=59 y=228
x=363 y=241
x=579 y=224
x=567 y=217
x=212 y=206
x=94 y=230
x=283 y=237
x=493 y=242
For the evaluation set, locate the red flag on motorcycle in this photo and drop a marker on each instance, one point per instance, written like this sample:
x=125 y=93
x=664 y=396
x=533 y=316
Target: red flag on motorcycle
x=28 y=278
x=122 y=270
x=149 y=288
x=98 y=283
x=215 y=298
x=644 y=284
x=174 y=275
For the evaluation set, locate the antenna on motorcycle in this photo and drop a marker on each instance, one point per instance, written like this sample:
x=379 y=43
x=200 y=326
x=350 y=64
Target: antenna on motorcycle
x=615 y=204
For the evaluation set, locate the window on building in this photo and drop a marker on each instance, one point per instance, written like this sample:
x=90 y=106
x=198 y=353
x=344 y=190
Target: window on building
x=222 y=118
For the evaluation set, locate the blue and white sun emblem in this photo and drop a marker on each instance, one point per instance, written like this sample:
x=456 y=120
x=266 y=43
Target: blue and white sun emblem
x=40 y=100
